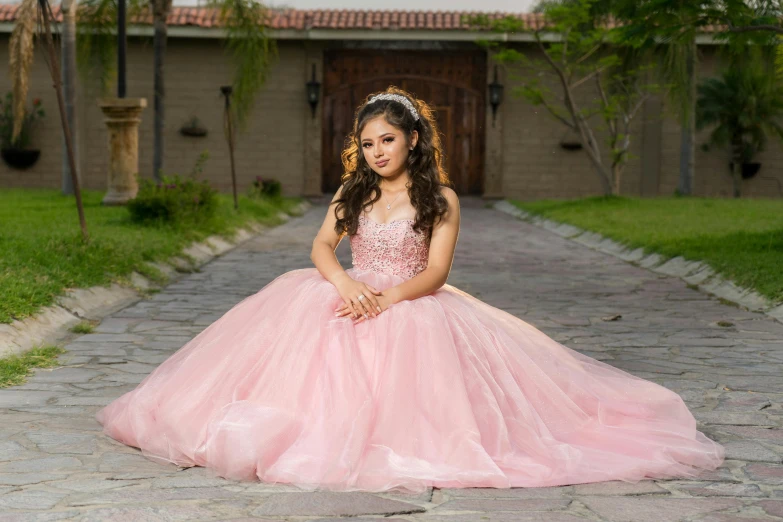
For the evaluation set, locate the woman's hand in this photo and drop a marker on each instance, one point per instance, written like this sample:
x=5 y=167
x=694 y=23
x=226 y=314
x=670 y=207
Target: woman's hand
x=384 y=301
x=352 y=291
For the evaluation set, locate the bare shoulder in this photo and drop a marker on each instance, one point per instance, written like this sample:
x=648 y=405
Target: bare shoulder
x=451 y=198
x=338 y=193
x=333 y=203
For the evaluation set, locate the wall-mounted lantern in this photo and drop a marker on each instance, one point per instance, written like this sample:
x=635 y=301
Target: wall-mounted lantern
x=313 y=89
x=495 y=94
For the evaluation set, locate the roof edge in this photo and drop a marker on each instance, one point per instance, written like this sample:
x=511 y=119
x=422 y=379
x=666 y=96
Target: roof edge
x=190 y=31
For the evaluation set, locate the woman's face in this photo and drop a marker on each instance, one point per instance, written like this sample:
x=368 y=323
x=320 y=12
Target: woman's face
x=385 y=148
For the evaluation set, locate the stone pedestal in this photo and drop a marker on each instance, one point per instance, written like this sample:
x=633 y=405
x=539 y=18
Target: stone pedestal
x=122 y=119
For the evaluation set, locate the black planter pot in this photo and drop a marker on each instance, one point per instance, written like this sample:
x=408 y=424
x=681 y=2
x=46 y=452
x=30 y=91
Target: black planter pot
x=748 y=169
x=20 y=159
x=193 y=131
x=571 y=140
x=571 y=145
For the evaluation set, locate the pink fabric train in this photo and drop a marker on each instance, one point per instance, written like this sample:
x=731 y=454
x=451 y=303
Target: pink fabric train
x=443 y=391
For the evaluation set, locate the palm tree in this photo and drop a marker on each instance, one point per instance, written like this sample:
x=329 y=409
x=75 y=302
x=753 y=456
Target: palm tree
x=667 y=29
x=68 y=53
x=744 y=104
x=680 y=70
x=675 y=24
x=160 y=12
x=21 y=58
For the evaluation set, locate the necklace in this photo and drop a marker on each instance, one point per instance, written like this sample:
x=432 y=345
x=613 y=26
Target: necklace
x=388 y=205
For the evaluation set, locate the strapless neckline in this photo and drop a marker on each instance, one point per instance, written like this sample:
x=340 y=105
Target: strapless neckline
x=390 y=248
x=382 y=224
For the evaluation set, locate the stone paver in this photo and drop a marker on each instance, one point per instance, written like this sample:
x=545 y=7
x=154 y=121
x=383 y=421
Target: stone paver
x=725 y=362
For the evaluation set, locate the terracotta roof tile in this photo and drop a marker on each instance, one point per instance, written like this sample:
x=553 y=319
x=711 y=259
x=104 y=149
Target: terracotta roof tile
x=303 y=19
x=313 y=18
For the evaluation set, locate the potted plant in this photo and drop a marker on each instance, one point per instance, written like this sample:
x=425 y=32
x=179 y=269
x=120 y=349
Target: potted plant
x=193 y=128
x=270 y=188
x=16 y=152
x=744 y=105
x=571 y=140
x=748 y=167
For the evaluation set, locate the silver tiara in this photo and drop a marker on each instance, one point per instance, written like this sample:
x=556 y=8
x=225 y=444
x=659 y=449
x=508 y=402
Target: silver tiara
x=397 y=97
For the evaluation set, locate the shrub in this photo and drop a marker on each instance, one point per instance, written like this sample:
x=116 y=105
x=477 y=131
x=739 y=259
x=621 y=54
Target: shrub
x=174 y=200
x=270 y=188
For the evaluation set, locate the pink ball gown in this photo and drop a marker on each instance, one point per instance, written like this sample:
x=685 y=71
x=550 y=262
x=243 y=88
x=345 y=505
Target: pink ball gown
x=442 y=391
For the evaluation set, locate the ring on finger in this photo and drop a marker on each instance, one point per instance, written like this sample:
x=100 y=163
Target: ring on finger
x=361 y=296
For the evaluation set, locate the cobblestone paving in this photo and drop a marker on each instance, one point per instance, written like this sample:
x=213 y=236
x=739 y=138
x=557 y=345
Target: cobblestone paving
x=726 y=363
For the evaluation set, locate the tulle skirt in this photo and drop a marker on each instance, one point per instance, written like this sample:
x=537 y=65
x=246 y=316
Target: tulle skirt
x=442 y=391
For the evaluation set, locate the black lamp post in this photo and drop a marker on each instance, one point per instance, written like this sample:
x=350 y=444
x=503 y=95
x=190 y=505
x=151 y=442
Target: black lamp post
x=121 y=49
x=313 y=88
x=226 y=91
x=495 y=94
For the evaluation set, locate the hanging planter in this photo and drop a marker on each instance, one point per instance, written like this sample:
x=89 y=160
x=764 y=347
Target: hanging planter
x=571 y=140
x=193 y=128
x=15 y=150
x=20 y=159
x=749 y=169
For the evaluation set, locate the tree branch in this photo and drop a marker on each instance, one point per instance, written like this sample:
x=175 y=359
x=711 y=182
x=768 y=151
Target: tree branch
x=610 y=121
x=588 y=77
x=552 y=111
x=589 y=53
x=639 y=104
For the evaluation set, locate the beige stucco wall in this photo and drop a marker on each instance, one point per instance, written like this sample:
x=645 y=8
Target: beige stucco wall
x=272 y=145
x=535 y=167
x=283 y=142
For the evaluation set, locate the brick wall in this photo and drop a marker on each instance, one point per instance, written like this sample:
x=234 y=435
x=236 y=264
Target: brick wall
x=712 y=175
x=534 y=166
x=195 y=69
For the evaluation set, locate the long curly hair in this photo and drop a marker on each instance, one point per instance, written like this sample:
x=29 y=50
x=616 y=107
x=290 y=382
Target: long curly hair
x=425 y=164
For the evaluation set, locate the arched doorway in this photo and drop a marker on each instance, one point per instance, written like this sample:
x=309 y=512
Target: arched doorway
x=453 y=82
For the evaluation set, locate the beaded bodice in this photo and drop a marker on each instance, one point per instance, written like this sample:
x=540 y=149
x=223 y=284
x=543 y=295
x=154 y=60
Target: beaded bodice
x=391 y=248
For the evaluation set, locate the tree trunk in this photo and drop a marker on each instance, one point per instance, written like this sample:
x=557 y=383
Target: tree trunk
x=593 y=153
x=736 y=169
x=688 y=135
x=604 y=174
x=160 y=9
x=617 y=177
x=68 y=56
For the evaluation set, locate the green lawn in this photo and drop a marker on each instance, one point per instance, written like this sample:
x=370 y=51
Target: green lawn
x=741 y=239
x=42 y=253
x=15 y=368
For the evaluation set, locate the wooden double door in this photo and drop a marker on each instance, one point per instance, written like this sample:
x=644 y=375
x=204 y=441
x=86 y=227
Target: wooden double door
x=452 y=82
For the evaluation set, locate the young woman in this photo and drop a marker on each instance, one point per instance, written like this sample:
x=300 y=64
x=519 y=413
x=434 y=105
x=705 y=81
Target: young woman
x=383 y=377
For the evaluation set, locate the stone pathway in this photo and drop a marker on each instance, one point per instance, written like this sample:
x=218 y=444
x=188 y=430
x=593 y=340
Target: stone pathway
x=726 y=363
